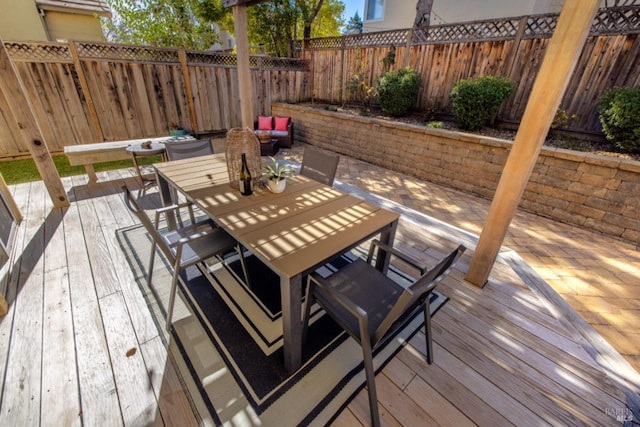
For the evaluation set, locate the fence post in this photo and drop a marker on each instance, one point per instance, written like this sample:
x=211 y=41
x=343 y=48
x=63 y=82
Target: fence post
x=341 y=93
x=312 y=69
x=522 y=27
x=182 y=56
x=260 y=90
x=407 y=48
x=94 y=122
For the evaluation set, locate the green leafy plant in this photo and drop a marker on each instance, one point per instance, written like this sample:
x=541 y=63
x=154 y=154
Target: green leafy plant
x=619 y=110
x=390 y=59
x=398 y=90
x=563 y=119
x=357 y=84
x=476 y=101
x=276 y=170
x=435 y=125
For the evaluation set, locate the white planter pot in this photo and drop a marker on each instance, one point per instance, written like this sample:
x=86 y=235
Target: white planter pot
x=277 y=186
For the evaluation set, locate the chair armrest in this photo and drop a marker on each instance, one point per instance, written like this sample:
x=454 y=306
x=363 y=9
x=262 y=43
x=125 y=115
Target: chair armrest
x=403 y=256
x=340 y=298
x=172 y=208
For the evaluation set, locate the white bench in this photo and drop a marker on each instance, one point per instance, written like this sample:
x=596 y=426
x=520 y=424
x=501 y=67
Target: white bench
x=88 y=154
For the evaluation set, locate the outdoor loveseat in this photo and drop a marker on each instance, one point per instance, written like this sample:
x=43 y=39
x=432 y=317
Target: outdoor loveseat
x=273 y=132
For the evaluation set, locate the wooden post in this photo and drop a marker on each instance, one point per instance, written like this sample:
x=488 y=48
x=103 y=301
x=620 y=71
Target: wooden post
x=30 y=133
x=557 y=67
x=184 y=67
x=244 y=71
x=513 y=52
x=407 y=49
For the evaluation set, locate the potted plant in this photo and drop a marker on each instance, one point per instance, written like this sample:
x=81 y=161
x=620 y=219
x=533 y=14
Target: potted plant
x=276 y=173
x=175 y=130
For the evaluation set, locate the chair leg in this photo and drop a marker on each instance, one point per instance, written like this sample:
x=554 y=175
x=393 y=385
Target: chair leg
x=172 y=295
x=151 y=261
x=307 y=310
x=370 y=374
x=243 y=263
x=427 y=331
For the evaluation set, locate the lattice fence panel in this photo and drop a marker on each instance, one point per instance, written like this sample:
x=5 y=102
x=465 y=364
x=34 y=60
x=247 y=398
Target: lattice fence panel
x=471 y=31
x=616 y=20
x=38 y=52
x=212 y=58
x=384 y=38
x=323 y=43
x=126 y=53
x=269 y=63
x=541 y=26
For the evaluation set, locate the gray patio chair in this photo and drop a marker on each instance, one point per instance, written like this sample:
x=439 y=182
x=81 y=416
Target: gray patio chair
x=177 y=150
x=371 y=307
x=186 y=246
x=319 y=165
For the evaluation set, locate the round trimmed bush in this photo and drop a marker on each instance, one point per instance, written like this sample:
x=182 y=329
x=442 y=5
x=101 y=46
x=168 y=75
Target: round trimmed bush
x=398 y=91
x=476 y=101
x=619 y=110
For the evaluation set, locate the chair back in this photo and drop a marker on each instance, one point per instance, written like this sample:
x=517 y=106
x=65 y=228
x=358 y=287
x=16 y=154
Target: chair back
x=416 y=294
x=177 y=150
x=133 y=205
x=319 y=165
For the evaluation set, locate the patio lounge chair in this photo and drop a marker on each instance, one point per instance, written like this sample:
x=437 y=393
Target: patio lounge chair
x=371 y=307
x=319 y=165
x=186 y=246
x=186 y=149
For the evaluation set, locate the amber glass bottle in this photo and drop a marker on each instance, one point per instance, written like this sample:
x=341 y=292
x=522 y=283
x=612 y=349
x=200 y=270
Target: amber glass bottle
x=245 y=178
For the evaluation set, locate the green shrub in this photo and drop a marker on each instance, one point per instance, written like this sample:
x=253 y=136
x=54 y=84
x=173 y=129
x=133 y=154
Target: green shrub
x=398 y=91
x=435 y=125
x=476 y=101
x=619 y=110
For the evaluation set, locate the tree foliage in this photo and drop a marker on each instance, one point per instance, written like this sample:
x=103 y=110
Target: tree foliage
x=354 y=25
x=277 y=23
x=187 y=23
x=169 y=23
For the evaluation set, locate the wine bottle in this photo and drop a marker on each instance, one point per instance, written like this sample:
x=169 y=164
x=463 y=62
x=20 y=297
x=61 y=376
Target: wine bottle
x=245 y=178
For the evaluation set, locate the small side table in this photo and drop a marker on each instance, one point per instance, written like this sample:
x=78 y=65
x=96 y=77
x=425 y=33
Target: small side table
x=144 y=150
x=268 y=146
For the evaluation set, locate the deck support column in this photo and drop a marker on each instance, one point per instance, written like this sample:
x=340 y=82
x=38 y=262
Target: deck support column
x=551 y=82
x=244 y=70
x=30 y=132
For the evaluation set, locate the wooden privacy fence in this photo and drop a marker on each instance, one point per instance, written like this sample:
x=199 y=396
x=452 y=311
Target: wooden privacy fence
x=94 y=92
x=511 y=47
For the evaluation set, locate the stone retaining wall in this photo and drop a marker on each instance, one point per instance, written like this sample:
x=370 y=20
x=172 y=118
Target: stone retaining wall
x=595 y=192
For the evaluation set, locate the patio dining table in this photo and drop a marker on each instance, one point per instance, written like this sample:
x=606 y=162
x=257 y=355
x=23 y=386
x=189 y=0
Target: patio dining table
x=292 y=233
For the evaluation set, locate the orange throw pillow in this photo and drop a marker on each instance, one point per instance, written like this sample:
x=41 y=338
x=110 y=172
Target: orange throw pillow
x=282 y=123
x=265 y=123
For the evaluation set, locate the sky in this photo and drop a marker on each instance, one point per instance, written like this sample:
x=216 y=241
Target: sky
x=350 y=7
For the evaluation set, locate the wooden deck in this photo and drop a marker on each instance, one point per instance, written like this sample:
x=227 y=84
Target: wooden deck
x=507 y=354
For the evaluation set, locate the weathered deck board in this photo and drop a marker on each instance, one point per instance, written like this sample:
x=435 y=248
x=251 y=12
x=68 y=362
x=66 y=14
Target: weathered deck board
x=100 y=405
x=59 y=376
x=23 y=377
x=502 y=356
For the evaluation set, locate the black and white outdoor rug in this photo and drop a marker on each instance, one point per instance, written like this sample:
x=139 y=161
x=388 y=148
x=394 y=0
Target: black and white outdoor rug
x=226 y=343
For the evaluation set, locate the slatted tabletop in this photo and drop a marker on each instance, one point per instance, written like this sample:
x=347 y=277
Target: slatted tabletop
x=291 y=232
